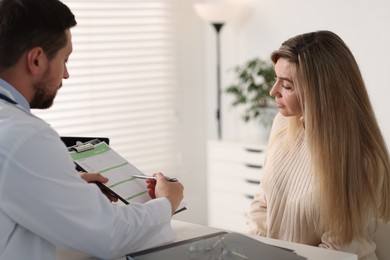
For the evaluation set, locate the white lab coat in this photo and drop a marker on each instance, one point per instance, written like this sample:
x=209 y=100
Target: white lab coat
x=45 y=204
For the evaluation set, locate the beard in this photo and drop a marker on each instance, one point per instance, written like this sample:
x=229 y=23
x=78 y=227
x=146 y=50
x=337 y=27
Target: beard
x=43 y=98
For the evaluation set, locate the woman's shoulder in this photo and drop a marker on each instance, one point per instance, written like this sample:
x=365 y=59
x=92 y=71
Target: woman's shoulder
x=278 y=124
x=288 y=127
x=280 y=121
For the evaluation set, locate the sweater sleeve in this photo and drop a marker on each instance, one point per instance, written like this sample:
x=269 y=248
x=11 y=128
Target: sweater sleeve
x=364 y=248
x=257 y=217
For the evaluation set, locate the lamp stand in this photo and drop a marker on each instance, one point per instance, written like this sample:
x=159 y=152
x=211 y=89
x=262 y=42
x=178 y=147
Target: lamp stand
x=218 y=27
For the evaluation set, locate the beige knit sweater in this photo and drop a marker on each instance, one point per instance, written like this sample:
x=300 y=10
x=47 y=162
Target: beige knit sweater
x=284 y=206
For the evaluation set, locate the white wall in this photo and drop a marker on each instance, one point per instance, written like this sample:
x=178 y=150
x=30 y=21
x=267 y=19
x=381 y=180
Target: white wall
x=192 y=111
x=363 y=24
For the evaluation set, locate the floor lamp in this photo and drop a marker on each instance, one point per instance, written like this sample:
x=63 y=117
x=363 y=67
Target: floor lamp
x=218 y=27
x=217 y=14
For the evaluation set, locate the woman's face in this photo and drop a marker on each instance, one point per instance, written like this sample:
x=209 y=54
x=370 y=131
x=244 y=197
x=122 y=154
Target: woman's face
x=284 y=91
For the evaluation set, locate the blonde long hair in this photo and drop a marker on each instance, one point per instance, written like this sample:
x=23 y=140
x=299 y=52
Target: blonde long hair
x=349 y=155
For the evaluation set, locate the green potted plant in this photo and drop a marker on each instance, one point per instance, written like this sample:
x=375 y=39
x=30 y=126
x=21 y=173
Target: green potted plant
x=252 y=84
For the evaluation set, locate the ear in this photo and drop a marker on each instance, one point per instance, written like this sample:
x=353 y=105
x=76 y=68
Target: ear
x=36 y=61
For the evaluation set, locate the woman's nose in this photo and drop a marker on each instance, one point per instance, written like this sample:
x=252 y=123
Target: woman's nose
x=274 y=90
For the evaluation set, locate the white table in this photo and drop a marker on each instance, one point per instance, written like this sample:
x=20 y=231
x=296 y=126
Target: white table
x=185 y=230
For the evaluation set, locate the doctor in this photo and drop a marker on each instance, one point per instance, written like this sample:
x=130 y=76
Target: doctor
x=44 y=203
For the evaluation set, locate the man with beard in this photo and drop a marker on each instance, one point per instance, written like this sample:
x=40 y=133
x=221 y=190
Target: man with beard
x=44 y=203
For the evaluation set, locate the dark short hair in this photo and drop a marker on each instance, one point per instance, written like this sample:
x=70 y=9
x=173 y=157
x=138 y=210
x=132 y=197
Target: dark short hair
x=25 y=24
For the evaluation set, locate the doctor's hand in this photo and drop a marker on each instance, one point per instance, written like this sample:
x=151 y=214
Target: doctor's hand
x=92 y=177
x=173 y=191
x=97 y=177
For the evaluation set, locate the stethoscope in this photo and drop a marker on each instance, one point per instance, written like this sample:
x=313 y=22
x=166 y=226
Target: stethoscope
x=13 y=102
x=5 y=98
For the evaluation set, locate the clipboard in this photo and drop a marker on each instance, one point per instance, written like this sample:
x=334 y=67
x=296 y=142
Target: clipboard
x=97 y=156
x=72 y=140
x=231 y=245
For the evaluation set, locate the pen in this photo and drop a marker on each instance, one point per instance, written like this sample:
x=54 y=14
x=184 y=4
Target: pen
x=153 y=177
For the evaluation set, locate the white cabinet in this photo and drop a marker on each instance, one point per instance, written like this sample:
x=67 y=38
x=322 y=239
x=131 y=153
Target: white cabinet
x=234 y=173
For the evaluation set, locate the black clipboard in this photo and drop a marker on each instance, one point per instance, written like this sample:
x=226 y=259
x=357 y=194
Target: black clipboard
x=89 y=143
x=72 y=142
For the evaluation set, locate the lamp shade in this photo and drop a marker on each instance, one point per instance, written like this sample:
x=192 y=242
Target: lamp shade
x=217 y=12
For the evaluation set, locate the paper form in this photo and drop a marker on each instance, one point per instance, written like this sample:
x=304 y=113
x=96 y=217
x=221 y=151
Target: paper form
x=102 y=159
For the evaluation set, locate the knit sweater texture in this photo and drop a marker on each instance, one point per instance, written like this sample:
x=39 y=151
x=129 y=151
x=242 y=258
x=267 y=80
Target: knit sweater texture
x=284 y=206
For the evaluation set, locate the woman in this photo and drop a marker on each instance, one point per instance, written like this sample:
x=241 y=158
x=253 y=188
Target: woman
x=326 y=179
